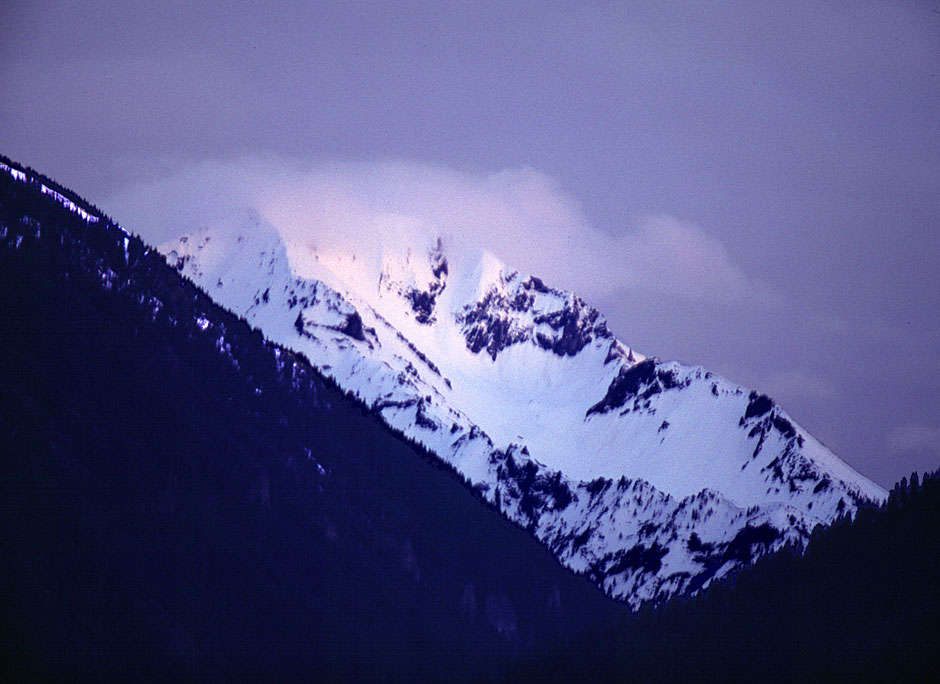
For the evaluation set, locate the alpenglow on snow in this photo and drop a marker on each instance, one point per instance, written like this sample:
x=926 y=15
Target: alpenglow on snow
x=651 y=478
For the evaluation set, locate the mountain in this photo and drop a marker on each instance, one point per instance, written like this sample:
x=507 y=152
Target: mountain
x=651 y=478
x=183 y=499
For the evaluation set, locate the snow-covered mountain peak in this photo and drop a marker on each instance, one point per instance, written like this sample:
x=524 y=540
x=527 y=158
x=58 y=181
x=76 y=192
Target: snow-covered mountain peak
x=650 y=477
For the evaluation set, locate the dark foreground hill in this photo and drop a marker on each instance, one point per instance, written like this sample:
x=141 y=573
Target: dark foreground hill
x=181 y=499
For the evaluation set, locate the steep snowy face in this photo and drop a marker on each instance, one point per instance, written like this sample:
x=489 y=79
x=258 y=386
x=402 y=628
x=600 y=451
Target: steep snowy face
x=652 y=478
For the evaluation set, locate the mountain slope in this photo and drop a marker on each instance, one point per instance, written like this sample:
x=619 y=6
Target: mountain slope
x=861 y=605
x=651 y=478
x=182 y=499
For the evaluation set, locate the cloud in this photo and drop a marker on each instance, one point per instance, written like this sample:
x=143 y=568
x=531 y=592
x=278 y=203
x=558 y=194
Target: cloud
x=668 y=256
x=521 y=215
x=913 y=437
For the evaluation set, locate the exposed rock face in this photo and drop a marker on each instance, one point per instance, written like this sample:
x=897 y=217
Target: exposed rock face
x=419 y=287
x=509 y=314
x=633 y=387
x=325 y=308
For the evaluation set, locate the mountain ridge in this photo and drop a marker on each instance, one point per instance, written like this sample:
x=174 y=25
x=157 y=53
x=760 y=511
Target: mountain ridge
x=673 y=544
x=526 y=392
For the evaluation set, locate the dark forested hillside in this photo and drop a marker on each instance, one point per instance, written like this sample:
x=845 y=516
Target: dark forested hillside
x=182 y=499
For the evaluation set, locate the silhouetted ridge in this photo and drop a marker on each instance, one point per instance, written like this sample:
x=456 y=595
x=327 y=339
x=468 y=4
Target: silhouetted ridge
x=184 y=500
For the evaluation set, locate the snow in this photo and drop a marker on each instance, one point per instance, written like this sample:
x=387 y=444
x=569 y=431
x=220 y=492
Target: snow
x=46 y=190
x=711 y=472
x=17 y=174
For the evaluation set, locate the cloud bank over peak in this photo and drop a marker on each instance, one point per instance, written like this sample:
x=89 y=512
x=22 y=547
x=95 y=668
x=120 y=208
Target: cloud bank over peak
x=668 y=256
x=521 y=215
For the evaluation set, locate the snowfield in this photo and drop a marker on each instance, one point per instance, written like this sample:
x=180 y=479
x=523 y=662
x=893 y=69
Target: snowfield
x=651 y=478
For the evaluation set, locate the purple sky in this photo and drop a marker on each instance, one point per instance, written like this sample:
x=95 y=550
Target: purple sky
x=759 y=182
